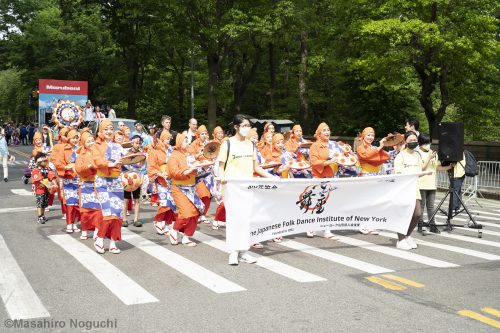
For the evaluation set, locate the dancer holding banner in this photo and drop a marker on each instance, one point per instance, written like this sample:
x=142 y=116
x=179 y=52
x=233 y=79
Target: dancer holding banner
x=371 y=159
x=109 y=187
x=238 y=160
x=323 y=162
x=409 y=161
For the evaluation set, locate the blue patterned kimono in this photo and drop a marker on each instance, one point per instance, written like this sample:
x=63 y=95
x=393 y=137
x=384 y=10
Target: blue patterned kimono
x=286 y=157
x=304 y=152
x=110 y=189
x=88 y=195
x=165 y=192
x=190 y=190
x=70 y=186
x=343 y=171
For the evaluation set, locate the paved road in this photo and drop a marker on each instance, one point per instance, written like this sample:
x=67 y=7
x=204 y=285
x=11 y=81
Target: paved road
x=361 y=283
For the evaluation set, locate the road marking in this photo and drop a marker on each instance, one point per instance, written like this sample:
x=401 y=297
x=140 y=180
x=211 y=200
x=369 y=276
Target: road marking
x=396 y=253
x=18 y=152
x=21 y=191
x=469 y=239
x=479 y=317
x=484 y=231
x=264 y=262
x=478 y=219
x=451 y=248
x=491 y=311
x=480 y=212
x=23 y=209
x=18 y=296
x=336 y=258
x=385 y=283
x=183 y=265
x=403 y=280
x=126 y=289
x=494 y=225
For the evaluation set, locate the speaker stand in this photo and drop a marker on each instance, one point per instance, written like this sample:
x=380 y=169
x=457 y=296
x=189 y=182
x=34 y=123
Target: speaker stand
x=453 y=193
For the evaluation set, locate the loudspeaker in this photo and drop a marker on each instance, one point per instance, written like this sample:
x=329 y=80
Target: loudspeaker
x=451 y=142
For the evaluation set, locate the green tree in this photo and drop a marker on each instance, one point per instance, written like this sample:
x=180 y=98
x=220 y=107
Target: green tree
x=442 y=42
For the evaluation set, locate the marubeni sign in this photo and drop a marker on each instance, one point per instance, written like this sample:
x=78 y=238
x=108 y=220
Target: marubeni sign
x=62 y=87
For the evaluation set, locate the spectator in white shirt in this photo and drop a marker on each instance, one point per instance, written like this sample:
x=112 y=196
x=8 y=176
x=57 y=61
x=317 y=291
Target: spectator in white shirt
x=191 y=132
x=111 y=112
x=88 y=112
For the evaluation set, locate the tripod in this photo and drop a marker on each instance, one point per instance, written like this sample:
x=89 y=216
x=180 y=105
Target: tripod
x=453 y=194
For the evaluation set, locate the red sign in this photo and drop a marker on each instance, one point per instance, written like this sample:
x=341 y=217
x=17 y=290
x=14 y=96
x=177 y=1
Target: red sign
x=62 y=87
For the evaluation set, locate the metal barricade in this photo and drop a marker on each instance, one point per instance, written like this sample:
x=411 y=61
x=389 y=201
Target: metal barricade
x=488 y=180
x=489 y=175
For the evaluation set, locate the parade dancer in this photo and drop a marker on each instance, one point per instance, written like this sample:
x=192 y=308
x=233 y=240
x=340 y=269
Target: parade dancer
x=371 y=159
x=109 y=187
x=56 y=157
x=158 y=175
x=189 y=205
x=90 y=208
x=323 y=163
x=265 y=146
x=218 y=135
x=70 y=181
x=294 y=142
x=204 y=180
x=139 y=168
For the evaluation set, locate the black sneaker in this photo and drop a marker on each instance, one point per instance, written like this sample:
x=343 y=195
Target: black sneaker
x=41 y=220
x=44 y=218
x=125 y=223
x=137 y=224
x=6 y=180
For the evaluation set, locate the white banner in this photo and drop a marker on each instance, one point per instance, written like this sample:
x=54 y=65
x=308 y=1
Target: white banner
x=260 y=209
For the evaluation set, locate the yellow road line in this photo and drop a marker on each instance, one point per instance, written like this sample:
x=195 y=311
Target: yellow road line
x=403 y=280
x=386 y=284
x=18 y=152
x=491 y=311
x=479 y=317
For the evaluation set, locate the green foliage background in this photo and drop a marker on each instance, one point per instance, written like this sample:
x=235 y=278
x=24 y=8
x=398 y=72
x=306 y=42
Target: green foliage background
x=351 y=63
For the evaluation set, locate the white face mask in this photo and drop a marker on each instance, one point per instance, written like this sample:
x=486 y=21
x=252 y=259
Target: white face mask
x=426 y=147
x=244 y=131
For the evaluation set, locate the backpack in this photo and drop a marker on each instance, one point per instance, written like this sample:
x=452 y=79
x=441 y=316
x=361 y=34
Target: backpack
x=471 y=169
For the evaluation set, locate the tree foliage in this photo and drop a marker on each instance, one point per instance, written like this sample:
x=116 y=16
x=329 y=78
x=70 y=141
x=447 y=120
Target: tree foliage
x=351 y=63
